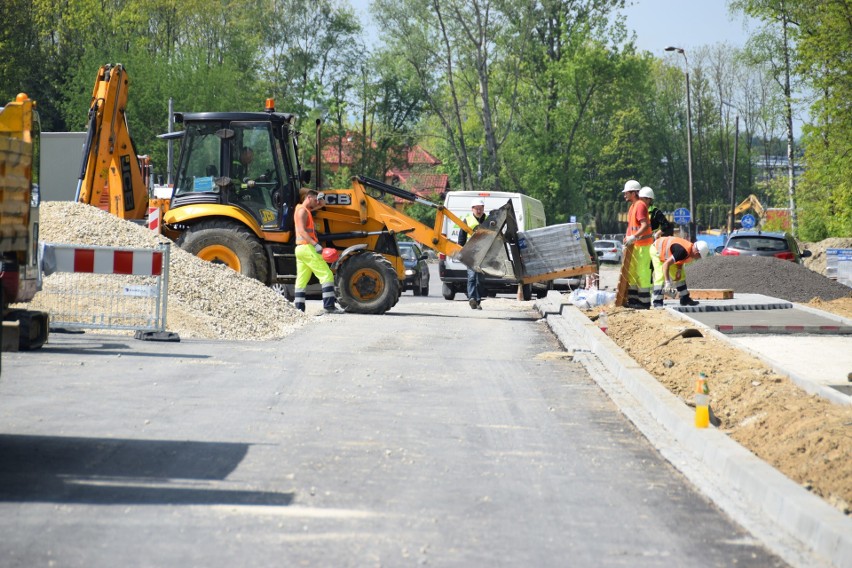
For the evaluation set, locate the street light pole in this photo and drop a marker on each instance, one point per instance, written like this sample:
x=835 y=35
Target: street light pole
x=692 y=232
x=734 y=166
x=734 y=174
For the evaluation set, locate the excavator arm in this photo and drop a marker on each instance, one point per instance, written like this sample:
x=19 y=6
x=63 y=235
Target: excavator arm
x=750 y=202
x=110 y=175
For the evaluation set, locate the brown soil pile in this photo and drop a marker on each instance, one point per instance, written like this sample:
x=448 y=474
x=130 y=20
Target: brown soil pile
x=803 y=436
x=816 y=261
x=763 y=275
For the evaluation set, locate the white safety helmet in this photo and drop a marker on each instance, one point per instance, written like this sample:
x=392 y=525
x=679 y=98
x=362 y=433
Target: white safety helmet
x=646 y=192
x=477 y=202
x=631 y=185
x=703 y=248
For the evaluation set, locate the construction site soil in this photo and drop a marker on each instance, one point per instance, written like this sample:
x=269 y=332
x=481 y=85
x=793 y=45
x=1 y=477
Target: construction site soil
x=803 y=436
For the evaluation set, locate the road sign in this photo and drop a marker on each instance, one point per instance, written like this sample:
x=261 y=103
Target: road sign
x=747 y=221
x=681 y=216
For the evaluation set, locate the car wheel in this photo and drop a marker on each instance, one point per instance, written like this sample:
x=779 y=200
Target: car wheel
x=416 y=289
x=424 y=291
x=448 y=291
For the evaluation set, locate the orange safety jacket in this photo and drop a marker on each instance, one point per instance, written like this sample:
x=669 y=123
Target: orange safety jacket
x=645 y=239
x=664 y=249
x=309 y=227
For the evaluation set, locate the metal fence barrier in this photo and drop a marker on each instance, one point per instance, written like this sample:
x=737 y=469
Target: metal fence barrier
x=108 y=288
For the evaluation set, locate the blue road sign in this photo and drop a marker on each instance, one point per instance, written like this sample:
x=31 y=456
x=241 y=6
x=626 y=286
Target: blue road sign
x=748 y=221
x=681 y=216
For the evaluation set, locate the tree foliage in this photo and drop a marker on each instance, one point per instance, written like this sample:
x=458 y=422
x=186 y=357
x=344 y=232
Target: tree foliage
x=550 y=98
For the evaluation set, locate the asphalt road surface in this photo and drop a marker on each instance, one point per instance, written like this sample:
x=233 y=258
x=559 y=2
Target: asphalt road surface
x=433 y=435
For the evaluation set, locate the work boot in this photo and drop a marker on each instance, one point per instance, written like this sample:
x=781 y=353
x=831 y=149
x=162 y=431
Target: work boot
x=473 y=304
x=687 y=301
x=658 y=305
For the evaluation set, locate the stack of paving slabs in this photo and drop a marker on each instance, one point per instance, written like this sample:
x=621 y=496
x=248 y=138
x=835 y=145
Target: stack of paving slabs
x=553 y=249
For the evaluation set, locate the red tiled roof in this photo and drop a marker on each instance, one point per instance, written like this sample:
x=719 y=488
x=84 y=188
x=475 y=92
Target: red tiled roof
x=417 y=155
x=422 y=184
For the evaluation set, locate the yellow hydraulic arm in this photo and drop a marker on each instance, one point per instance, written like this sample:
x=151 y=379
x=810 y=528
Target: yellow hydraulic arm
x=750 y=202
x=110 y=176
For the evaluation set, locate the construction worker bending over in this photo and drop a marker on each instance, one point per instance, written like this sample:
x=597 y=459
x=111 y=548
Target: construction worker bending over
x=669 y=255
x=308 y=258
x=639 y=237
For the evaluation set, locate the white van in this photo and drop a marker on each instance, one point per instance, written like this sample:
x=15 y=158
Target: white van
x=529 y=213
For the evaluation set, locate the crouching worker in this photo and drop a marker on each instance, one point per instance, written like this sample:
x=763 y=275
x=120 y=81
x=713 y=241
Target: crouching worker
x=308 y=258
x=668 y=256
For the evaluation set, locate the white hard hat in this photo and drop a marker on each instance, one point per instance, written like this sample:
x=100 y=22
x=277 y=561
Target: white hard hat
x=631 y=185
x=703 y=248
x=476 y=202
x=646 y=192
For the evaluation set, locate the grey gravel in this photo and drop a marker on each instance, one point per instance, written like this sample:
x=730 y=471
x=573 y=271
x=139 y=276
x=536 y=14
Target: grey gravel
x=763 y=275
x=206 y=301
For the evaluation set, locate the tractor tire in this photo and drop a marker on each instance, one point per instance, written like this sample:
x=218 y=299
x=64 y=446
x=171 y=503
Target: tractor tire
x=367 y=283
x=227 y=242
x=448 y=291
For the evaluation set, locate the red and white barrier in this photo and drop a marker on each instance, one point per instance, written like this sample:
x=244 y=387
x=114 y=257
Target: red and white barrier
x=154 y=219
x=102 y=260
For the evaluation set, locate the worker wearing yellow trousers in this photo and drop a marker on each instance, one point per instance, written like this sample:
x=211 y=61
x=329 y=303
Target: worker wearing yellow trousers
x=308 y=259
x=638 y=236
x=669 y=255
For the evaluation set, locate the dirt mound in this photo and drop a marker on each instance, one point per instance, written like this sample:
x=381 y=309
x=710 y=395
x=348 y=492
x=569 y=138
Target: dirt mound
x=816 y=261
x=763 y=275
x=206 y=301
x=803 y=436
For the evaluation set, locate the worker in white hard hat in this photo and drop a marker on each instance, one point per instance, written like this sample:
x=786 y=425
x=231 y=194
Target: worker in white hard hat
x=475 y=289
x=660 y=225
x=669 y=255
x=639 y=237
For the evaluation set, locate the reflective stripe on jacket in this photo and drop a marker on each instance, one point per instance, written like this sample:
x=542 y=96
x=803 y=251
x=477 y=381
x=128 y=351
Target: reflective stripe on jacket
x=309 y=227
x=664 y=249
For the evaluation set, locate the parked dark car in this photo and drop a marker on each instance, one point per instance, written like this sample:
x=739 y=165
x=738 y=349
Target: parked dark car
x=759 y=243
x=416 y=269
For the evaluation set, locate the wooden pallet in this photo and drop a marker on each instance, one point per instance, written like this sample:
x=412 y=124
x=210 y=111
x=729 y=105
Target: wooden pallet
x=711 y=294
x=621 y=290
x=574 y=271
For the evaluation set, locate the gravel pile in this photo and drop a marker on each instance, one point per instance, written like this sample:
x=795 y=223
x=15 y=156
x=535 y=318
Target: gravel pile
x=206 y=301
x=763 y=275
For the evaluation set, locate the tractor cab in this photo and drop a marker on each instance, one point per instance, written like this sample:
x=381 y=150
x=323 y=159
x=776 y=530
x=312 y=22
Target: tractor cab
x=240 y=159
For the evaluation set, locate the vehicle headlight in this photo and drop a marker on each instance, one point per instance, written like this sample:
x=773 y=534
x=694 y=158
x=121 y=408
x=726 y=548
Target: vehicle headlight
x=409 y=272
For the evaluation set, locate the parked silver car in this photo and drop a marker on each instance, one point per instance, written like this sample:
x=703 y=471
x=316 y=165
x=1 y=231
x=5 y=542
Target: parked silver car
x=609 y=251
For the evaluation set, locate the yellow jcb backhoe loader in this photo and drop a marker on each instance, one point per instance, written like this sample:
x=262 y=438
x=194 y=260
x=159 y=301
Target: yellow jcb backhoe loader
x=236 y=187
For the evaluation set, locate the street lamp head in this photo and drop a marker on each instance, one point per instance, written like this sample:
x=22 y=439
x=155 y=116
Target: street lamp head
x=678 y=49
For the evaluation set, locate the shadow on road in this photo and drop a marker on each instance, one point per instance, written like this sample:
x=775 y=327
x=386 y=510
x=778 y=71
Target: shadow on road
x=108 y=471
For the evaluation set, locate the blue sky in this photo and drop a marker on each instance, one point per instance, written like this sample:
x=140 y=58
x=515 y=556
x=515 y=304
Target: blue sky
x=658 y=23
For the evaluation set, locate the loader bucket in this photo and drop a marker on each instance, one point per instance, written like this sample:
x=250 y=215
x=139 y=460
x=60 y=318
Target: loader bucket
x=492 y=249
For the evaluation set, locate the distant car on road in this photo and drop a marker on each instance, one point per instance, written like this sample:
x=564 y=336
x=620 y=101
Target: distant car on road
x=416 y=269
x=609 y=251
x=758 y=243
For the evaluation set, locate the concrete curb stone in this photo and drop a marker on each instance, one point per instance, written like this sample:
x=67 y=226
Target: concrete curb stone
x=795 y=512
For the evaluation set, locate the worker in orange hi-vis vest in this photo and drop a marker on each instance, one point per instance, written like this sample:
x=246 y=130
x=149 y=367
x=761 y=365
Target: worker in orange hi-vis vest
x=669 y=255
x=639 y=237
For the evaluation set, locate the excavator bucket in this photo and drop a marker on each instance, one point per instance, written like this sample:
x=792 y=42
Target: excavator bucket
x=493 y=248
